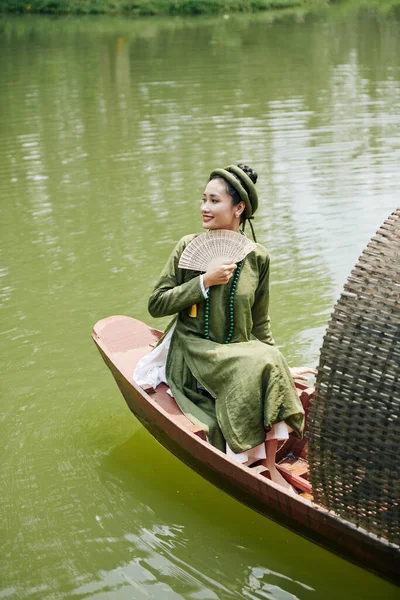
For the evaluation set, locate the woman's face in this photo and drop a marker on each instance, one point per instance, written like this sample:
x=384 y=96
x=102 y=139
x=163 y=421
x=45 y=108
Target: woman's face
x=217 y=208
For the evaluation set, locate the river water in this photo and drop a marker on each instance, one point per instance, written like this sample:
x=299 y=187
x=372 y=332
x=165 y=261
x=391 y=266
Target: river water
x=109 y=128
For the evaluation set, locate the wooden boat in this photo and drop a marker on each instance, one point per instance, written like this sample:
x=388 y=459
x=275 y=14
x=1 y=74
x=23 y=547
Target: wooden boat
x=122 y=341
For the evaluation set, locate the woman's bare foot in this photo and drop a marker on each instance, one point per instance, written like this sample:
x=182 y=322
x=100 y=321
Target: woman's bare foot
x=270 y=448
x=277 y=478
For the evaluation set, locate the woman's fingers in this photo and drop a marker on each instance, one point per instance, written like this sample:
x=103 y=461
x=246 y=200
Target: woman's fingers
x=229 y=270
x=303 y=370
x=299 y=372
x=218 y=274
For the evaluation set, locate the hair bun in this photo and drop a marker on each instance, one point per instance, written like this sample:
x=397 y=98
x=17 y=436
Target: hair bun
x=249 y=172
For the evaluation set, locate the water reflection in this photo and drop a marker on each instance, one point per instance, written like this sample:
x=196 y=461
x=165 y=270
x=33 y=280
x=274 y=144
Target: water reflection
x=109 y=130
x=167 y=540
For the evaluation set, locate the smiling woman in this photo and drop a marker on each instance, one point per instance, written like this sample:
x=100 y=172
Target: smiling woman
x=217 y=209
x=222 y=206
x=90 y=493
x=222 y=365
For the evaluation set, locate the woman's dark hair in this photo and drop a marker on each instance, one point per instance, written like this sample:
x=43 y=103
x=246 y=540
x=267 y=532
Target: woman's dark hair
x=231 y=190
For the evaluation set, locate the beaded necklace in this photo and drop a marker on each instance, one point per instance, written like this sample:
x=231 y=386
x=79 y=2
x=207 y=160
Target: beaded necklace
x=231 y=309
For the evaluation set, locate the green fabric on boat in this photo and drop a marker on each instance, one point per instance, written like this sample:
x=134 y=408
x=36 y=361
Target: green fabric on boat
x=248 y=381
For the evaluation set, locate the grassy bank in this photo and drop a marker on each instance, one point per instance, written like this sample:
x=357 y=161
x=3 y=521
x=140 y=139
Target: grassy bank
x=177 y=7
x=149 y=7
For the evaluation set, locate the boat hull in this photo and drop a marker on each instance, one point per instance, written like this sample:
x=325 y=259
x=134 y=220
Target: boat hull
x=173 y=431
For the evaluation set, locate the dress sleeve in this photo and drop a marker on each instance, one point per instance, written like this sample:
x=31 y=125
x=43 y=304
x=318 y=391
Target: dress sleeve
x=171 y=294
x=261 y=321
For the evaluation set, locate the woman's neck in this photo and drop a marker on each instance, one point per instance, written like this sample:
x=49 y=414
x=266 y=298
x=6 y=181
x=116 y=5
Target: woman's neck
x=234 y=227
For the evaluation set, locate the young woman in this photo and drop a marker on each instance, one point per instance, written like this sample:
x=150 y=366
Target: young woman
x=218 y=355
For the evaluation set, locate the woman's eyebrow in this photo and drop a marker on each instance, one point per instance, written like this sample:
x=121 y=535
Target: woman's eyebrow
x=213 y=195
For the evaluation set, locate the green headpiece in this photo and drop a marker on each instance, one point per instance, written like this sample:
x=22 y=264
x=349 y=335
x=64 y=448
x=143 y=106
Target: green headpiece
x=244 y=187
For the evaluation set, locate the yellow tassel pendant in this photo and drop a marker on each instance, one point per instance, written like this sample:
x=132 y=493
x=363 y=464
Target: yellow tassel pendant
x=193 y=311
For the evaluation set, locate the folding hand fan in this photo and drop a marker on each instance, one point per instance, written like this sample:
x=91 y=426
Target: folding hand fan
x=221 y=244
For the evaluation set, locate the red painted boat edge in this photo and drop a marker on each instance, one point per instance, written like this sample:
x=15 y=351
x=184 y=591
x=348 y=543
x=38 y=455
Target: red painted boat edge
x=300 y=515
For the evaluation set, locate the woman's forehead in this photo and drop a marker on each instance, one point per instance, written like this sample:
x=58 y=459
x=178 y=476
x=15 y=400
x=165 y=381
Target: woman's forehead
x=216 y=186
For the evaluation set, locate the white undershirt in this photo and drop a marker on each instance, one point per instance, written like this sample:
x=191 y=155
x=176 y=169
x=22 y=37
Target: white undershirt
x=203 y=289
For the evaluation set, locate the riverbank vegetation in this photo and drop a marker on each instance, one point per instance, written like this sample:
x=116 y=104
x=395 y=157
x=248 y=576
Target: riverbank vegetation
x=170 y=7
x=149 y=7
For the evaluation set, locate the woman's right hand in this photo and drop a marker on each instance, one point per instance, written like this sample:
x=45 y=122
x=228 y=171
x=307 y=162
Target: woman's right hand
x=218 y=273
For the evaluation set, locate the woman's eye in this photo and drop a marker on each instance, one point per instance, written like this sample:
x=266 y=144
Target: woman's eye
x=212 y=200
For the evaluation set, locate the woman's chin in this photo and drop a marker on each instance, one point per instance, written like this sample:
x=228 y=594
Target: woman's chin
x=208 y=225
x=216 y=227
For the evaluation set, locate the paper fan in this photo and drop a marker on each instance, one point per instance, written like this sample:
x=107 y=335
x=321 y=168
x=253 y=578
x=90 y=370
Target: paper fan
x=221 y=244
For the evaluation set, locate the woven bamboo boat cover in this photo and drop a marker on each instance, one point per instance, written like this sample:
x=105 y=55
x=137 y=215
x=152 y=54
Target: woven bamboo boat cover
x=354 y=447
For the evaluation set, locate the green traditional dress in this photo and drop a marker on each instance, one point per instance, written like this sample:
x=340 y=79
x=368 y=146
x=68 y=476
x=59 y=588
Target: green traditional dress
x=247 y=383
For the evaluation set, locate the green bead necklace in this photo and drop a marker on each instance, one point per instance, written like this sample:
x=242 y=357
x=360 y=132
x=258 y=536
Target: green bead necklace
x=231 y=308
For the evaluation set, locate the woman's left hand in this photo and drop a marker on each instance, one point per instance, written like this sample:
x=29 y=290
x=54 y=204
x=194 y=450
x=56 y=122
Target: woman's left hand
x=299 y=372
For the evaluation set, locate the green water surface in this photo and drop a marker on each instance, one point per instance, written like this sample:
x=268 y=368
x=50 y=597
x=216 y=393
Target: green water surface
x=108 y=131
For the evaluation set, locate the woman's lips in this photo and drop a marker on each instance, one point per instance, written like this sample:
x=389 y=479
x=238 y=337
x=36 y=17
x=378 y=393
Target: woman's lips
x=206 y=218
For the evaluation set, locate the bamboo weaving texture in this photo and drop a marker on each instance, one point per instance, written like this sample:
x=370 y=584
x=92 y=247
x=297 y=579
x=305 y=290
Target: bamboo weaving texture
x=354 y=431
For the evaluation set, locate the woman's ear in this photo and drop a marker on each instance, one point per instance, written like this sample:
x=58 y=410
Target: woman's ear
x=239 y=208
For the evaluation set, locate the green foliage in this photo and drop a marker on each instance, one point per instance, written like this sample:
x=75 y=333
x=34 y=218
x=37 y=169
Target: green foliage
x=146 y=7
x=61 y=6
x=170 y=7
